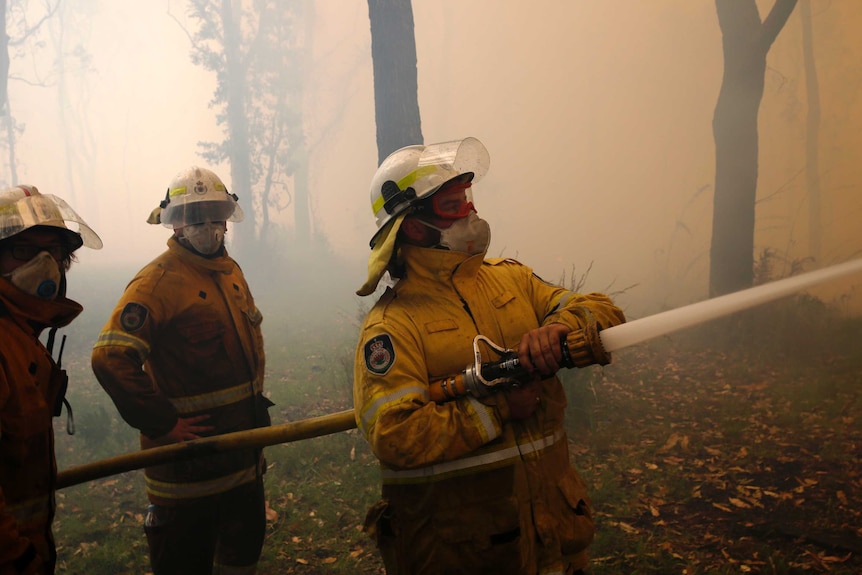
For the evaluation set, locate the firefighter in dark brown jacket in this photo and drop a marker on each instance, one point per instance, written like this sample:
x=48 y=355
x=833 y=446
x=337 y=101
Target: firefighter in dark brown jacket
x=36 y=250
x=182 y=357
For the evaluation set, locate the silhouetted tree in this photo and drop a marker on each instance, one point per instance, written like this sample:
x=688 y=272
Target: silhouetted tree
x=254 y=49
x=4 y=58
x=812 y=135
x=16 y=30
x=69 y=33
x=745 y=41
x=396 y=85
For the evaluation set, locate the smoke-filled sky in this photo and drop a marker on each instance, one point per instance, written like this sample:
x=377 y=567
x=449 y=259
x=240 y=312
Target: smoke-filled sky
x=597 y=115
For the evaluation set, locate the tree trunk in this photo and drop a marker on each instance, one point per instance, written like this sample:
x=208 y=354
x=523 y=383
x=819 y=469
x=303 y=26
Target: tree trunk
x=240 y=162
x=745 y=42
x=396 y=86
x=6 y=119
x=4 y=59
x=302 y=213
x=812 y=137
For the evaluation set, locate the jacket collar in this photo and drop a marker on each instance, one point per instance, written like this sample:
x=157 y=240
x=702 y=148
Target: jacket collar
x=439 y=265
x=33 y=313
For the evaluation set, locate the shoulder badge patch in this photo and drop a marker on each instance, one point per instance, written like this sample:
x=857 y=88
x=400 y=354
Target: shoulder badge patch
x=133 y=317
x=379 y=354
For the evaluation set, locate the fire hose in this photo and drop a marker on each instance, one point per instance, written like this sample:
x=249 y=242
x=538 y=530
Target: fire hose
x=478 y=379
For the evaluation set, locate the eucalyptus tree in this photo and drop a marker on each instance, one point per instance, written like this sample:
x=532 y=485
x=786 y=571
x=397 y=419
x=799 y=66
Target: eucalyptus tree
x=256 y=50
x=812 y=135
x=746 y=40
x=20 y=28
x=396 y=84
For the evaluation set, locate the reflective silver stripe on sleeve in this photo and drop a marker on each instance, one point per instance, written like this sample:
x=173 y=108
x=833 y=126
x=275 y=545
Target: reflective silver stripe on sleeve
x=123 y=339
x=369 y=415
x=564 y=299
x=440 y=470
x=483 y=411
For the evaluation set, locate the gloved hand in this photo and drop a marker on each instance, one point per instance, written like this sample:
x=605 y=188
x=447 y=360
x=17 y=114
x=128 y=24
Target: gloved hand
x=524 y=399
x=584 y=346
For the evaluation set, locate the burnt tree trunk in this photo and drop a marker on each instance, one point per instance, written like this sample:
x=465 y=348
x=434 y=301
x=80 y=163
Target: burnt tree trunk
x=237 y=122
x=396 y=86
x=745 y=41
x=812 y=136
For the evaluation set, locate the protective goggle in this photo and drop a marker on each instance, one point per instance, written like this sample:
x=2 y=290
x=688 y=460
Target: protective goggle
x=453 y=202
x=26 y=252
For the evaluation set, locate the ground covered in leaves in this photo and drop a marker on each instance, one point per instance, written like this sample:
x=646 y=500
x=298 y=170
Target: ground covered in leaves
x=711 y=457
x=706 y=453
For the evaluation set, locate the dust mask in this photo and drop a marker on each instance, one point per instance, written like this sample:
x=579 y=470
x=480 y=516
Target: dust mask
x=470 y=235
x=39 y=277
x=206 y=238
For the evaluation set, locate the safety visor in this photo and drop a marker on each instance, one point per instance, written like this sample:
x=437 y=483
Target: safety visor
x=190 y=213
x=440 y=163
x=46 y=210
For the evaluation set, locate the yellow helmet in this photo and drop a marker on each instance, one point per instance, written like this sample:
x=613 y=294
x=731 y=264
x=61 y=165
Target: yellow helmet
x=24 y=207
x=195 y=196
x=413 y=173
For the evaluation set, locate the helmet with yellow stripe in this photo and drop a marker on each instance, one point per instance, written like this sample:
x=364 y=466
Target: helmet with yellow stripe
x=196 y=196
x=414 y=173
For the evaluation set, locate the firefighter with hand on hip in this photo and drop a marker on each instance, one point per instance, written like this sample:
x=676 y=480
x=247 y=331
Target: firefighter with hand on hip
x=475 y=480
x=36 y=250
x=182 y=357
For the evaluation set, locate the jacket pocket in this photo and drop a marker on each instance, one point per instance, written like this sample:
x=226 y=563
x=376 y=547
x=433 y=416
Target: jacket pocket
x=203 y=339
x=576 y=525
x=486 y=533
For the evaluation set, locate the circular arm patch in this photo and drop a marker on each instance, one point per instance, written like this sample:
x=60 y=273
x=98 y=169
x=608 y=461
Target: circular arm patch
x=379 y=354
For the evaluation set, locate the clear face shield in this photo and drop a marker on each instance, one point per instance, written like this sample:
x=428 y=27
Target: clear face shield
x=44 y=210
x=440 y=163
x=201 y=212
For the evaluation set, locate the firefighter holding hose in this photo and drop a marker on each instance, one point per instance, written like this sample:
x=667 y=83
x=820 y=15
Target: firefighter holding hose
x=476 y=478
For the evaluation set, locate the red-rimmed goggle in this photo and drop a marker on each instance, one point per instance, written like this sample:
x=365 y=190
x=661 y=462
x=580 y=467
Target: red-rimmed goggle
x=453 y=202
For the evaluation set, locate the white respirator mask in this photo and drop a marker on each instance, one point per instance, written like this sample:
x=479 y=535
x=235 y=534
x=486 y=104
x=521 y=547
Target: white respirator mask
x=39 y=277
x=470 y=234
x=206 y=238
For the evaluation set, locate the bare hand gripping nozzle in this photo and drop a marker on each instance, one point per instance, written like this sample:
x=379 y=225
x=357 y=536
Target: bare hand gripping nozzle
x=581 y=347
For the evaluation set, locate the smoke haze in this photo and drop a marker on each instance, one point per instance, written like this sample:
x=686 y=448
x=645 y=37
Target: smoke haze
x=597 y=115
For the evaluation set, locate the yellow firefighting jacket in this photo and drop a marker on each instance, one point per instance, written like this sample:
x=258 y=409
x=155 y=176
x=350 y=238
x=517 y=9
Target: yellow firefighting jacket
x=466 y=490
x=185 y=340
x=31 y=388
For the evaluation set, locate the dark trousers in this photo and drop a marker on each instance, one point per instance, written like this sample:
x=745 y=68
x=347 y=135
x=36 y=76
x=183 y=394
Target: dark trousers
x=226 y=529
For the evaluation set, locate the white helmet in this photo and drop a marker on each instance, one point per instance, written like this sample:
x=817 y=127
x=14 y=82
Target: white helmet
x=417 y=172
x=24 y=207
x=195 y=196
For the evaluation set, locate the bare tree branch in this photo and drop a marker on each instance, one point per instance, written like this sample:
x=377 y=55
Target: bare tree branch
x=775 y=21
